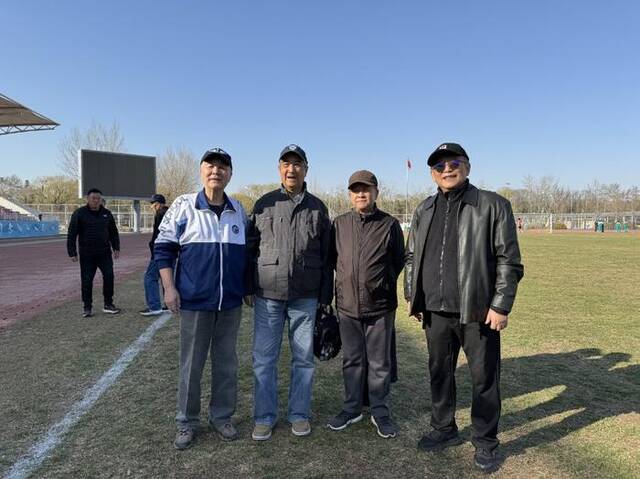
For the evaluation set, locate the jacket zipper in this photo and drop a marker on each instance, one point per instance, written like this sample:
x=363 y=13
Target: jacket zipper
x=218 y=220
x=444 y=241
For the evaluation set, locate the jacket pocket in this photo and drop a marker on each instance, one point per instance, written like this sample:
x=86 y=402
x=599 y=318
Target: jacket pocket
x=266 y=270
x=312 y=274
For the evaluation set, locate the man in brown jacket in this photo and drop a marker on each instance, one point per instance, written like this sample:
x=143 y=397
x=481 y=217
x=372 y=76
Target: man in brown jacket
x=367 y=252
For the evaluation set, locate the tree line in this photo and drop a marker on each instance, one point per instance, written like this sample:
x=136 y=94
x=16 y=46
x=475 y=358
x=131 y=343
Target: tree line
x=177 y=173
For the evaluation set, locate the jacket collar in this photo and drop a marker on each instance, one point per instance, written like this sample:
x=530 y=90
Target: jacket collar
x=203 y=204
x=470 y=197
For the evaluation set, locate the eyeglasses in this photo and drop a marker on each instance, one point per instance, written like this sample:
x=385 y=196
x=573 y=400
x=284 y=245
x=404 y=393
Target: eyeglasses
x=453 y=164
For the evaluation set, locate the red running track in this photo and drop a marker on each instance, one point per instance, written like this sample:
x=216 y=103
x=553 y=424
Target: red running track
x=36 y=275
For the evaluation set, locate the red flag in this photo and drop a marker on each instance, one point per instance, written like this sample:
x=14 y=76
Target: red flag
x=408 y=163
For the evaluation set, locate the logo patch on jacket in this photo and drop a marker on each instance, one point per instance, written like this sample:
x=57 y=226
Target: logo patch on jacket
x=235 y=229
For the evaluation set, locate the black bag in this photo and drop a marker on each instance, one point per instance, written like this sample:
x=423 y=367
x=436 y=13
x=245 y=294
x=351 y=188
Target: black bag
x=326 y=334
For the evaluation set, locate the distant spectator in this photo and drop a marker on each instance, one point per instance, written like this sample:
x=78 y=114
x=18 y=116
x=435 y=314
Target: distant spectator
x=152 y=275
x=98 y=239
x=520 y=225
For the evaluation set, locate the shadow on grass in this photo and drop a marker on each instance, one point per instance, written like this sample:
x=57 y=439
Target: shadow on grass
x=595 y=387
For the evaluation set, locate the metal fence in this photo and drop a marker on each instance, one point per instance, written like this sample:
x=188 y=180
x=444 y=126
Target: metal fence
x=124 y=215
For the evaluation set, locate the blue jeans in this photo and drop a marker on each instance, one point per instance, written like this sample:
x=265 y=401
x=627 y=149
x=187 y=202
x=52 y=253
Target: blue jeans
x=152 y=286
x=269 y=320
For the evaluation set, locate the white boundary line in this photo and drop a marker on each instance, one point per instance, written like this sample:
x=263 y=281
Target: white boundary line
x=26 y=465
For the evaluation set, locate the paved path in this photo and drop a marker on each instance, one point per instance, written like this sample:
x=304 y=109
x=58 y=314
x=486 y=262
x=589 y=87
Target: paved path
x=38 y=275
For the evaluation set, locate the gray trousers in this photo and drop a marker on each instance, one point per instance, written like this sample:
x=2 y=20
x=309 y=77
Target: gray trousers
x=366 y=362
x=203 y=333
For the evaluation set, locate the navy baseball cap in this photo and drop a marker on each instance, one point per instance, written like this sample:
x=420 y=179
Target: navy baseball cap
x=446 y=150
x=217 y=154
x=296 y=150
x=157 y=198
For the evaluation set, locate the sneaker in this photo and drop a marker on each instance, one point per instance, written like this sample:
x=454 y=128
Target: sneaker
x=342 y=420
x=184 y=438
x=87 y=313
x=300 y=428
x=226 y=431
x=110 y=309
x=151 y=312
x=386 y=427
x=437 y=441
x=488 y=460
x=261 y=432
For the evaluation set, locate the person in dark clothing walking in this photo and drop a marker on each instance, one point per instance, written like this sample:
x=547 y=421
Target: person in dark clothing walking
x=367 y=253
x=95 y=230
x=461 y=276
x=152 y=275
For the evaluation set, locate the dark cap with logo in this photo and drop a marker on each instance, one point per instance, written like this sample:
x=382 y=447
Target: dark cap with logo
x=363 y=176
x=217 y=154
x=446 y=150
x=158 y=198
x=295 y=150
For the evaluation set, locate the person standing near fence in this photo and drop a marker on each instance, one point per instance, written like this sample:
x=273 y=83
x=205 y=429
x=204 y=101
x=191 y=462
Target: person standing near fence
x=207 y=231
x=461 y=276
x=97 y=235
x=152 y=275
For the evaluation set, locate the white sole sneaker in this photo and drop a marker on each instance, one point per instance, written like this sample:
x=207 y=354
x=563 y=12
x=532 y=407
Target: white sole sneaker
x=264 y=437
x=306 y=432
x=386 y=436
x=157 y=312
x=347 y=424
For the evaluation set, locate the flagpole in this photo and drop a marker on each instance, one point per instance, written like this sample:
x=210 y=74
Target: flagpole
x=406 y=198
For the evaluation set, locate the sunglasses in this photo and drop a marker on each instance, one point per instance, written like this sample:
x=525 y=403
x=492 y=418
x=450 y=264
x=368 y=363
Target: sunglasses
x=453 y=164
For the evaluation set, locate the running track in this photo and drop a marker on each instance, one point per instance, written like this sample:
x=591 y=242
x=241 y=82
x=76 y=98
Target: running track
x=36 y=275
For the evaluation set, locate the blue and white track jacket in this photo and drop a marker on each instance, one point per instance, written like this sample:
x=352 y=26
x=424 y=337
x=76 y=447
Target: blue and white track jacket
x=211 y=252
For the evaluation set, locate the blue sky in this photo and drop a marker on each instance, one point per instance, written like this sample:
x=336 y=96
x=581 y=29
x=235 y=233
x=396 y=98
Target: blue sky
x=549 y=87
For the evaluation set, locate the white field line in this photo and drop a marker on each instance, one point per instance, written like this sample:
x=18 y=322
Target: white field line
x=26 y=465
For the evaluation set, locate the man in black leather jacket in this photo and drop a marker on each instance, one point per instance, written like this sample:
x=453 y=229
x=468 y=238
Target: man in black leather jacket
x=462 y=269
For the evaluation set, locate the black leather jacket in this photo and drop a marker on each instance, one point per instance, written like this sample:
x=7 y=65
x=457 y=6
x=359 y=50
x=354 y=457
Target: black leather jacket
x=489 y=266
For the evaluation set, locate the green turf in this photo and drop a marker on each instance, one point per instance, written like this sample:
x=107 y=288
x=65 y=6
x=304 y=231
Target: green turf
x=570 y=384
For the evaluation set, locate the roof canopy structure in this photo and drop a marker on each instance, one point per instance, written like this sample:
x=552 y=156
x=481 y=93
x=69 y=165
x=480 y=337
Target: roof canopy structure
x=17 y=118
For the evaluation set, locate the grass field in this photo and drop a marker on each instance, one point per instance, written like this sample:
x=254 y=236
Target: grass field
x=570 y=385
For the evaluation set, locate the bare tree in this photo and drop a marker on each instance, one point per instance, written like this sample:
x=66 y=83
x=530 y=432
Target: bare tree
x=97 y=137
x=177 y=173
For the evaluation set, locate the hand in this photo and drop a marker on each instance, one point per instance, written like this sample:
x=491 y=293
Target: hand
x=74 y=259
x=496 y=320
x=116 y=254
x=250 y=300
x=172 y=299
x=416 y=316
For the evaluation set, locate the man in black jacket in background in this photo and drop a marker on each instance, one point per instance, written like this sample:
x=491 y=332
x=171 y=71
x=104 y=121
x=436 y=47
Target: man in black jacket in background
x=152 y=275
x=97 y=235
x=367 y=252
x=461 y=276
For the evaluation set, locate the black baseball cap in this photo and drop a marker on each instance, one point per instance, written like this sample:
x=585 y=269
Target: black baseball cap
x=363 y=176
x=216 y=154
x=296 y=150
x=157 y=198
x=446 y=150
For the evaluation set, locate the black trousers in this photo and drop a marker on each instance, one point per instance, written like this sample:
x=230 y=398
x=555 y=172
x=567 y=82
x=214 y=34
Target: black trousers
x=89 y=263
x=366 y=362
x=481 y=345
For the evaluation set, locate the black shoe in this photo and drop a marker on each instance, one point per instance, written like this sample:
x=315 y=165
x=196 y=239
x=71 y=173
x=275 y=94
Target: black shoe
x=342 y=420
x=110 y=309
x=87 y=313
x=151 y=312
x=488 y=460
x=437 y=441
x=386 y=427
